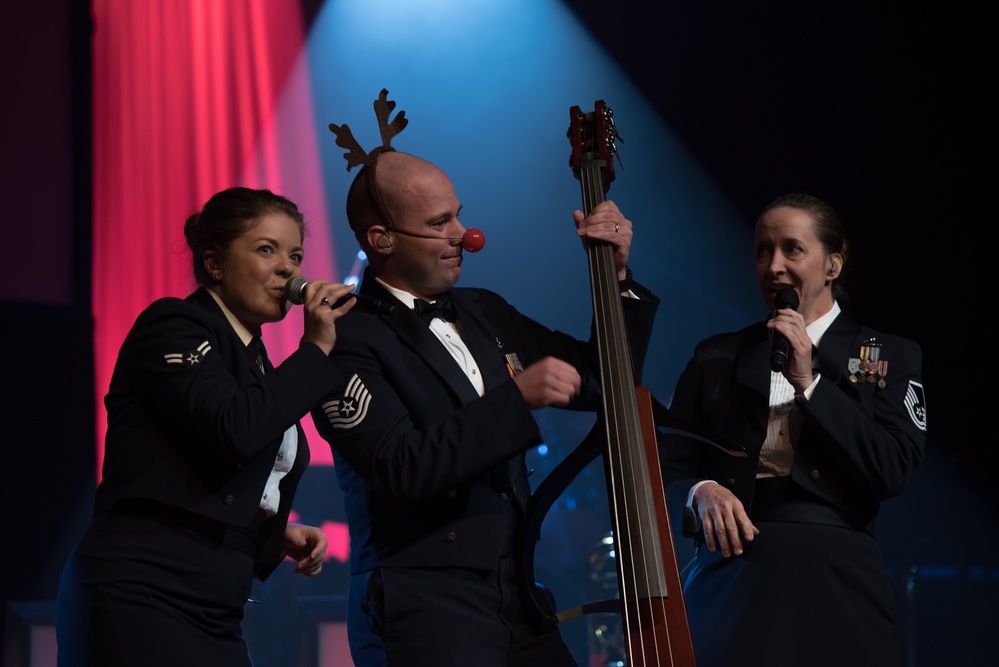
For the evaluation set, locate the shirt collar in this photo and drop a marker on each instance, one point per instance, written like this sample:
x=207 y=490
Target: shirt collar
x=818 y=328
x=402 y=295
x=241 y=331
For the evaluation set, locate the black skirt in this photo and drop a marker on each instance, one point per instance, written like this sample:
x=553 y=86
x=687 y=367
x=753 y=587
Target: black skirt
x=151 y=588
x=801 y=594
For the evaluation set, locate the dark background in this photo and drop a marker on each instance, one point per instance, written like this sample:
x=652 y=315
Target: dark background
x=885 y=113
x=880 y=111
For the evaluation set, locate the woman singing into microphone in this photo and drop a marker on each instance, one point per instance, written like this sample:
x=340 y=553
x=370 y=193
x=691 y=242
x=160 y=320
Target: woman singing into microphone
x=203 y=452
x=787 y=570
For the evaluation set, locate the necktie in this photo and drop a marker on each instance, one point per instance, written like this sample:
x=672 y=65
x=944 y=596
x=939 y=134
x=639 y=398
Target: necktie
x=441 y=308
x=256 y=353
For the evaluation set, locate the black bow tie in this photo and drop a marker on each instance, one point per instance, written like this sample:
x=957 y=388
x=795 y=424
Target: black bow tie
x=441 y=308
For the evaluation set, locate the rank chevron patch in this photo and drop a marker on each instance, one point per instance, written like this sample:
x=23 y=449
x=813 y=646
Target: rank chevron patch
x=350 y=410
x=191 y=358
x=915 y=403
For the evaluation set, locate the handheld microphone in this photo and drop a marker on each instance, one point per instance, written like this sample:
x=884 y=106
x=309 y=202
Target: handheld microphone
x=472 y=240
x=294 y=291
x=786 y=297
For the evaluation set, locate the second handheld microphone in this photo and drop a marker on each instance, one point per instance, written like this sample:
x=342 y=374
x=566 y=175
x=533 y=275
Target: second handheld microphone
x=780 y=347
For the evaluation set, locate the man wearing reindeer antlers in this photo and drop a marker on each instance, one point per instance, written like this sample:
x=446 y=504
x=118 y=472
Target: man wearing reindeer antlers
x=430 y=430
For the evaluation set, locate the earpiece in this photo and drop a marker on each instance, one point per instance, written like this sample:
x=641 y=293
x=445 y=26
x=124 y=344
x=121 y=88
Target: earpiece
x=388 y=244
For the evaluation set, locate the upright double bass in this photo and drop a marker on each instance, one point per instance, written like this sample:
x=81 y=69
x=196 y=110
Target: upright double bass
x=653 y=614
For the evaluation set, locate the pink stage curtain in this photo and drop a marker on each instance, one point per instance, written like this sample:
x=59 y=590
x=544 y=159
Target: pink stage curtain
x=191 y=97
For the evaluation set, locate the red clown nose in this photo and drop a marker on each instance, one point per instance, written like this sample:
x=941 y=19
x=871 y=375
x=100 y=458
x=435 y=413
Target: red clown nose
x=473 y=240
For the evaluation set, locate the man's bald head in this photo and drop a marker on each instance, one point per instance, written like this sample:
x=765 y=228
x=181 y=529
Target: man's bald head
x=395 y=175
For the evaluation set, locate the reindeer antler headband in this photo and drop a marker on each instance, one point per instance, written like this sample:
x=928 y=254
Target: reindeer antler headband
x=356 y=155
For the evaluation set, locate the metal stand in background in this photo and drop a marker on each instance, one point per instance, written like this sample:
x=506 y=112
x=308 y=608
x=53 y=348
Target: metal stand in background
x=605 y=632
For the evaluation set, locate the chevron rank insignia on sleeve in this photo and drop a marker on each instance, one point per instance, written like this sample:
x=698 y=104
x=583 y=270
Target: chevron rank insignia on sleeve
x=350 y=410
x=191 y=358
x=915 y=403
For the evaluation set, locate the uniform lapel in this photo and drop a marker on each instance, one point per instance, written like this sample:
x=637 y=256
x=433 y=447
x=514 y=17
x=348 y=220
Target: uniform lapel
x=486 y=345
x=201 y=298
x=835 y=347
x=483 y=341
x=753 y=376
x=416 y=335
